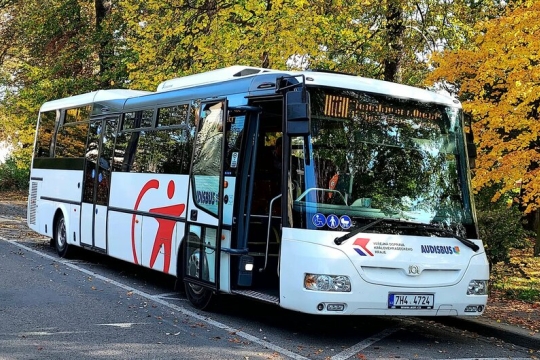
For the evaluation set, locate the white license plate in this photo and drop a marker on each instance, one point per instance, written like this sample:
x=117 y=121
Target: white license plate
x=411 y=301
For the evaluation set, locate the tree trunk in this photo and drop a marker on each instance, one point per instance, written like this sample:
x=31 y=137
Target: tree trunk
x=103 y=8
x=395 y=31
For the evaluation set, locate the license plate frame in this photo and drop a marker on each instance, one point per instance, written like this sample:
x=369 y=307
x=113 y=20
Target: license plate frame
x=411 y=301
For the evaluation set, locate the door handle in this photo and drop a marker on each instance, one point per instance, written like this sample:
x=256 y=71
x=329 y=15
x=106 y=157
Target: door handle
x=193 y=215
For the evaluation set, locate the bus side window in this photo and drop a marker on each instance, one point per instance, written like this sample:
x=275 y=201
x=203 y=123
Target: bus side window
x=71 y=140
x=124 y=151
x=162 y=151
x=45 y=134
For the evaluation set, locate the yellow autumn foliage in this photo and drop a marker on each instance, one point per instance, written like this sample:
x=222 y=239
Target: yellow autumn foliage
x=498 y=80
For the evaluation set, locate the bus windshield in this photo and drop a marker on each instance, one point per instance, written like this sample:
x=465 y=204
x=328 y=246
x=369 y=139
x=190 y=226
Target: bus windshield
x=375 y=156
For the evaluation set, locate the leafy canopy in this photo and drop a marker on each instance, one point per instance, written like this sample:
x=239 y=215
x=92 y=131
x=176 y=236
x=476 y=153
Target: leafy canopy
x=499 y=83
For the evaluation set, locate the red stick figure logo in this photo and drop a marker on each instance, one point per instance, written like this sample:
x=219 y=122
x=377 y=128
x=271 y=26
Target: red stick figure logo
x=165 y=226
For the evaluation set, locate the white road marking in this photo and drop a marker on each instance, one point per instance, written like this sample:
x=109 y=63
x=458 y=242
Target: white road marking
x=48 y=333
x=122 y=325
x=157 y=299
x=347 y=353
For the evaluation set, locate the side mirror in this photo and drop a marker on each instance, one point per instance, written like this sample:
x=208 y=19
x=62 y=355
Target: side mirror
x=298 y=117
x=469 y=138
x=471 y=153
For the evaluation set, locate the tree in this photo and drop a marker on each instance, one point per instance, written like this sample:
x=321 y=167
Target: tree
x=56 y=48
x=499 y=83
x=387 y=39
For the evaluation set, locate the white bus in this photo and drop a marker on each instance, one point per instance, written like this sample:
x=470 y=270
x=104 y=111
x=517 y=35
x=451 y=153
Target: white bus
x=365 y=209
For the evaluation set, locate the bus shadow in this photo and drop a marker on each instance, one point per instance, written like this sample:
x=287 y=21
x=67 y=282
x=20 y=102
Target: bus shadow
x=252 y=314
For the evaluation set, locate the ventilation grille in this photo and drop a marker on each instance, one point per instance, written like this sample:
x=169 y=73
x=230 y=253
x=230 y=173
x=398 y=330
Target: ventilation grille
x=33 y=203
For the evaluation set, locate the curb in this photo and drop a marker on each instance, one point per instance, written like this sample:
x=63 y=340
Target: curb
x=489 y=328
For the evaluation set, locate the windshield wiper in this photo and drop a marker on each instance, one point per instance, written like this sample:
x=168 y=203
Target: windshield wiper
x=354 y=231
x=428 y=227
x=449 y=233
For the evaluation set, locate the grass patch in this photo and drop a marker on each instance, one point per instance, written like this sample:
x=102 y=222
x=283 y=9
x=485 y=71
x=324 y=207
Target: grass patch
x=519 y=279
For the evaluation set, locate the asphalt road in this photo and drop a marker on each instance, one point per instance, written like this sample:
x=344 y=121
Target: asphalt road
x=94 y=307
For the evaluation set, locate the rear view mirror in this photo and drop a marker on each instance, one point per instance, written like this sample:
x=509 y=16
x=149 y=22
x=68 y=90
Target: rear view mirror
x=469 y=138
x=298 y=117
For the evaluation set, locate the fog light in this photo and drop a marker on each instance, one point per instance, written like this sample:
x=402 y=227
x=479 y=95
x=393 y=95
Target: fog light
x=477 y=287
x=323 y=282
x=335 y=307
x=320 y=307
x=474 y=308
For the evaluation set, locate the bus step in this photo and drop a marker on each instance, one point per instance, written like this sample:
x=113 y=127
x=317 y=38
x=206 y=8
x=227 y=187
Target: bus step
x=258 y=296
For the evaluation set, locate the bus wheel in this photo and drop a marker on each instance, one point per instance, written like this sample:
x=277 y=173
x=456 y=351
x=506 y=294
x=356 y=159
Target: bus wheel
x=60 y=237
x=202 y=298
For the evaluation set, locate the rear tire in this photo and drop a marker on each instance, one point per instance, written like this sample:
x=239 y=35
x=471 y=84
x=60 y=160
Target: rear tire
x=200 y=297
x=60 y=237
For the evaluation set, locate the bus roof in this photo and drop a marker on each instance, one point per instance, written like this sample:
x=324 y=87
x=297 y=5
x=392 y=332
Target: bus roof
x=318 y=78
x=112 y=97
x=213 y=76
x=91 y=97
x=378 y=87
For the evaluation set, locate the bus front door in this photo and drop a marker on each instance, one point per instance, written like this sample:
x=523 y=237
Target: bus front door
x=202 y=241
x=96 y=184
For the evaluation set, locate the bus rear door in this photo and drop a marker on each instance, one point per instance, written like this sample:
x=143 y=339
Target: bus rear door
x=96 y=183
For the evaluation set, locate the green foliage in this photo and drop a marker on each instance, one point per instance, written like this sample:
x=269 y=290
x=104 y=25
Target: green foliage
x=14 y=175
x=515 y=288
x=530 y=294
x=177 y=37
x=53 y=49
x=519 y=279
x=501 y=226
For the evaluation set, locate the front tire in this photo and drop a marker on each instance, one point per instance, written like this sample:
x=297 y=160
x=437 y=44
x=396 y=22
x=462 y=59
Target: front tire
x=60 y=237
x=200 y=297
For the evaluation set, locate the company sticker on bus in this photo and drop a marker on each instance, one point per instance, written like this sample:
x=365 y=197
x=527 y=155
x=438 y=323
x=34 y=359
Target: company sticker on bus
x=440 y=249
x=360 y=245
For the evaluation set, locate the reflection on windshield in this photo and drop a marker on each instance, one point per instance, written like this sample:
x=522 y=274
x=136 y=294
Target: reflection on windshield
x=379 y=157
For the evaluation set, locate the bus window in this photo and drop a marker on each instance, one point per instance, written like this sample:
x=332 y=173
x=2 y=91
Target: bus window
x=45 y=133
x=78 y=114
x=208 y=148
x=170 y=151
x=172 y=115
x=138 y=119
x=235 y=127
x=143 y=161
x=124 y=151
x=71 y=140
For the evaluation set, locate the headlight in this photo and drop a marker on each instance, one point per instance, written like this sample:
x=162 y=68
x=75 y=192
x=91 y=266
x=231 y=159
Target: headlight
x=477 y=287
x=322 y=282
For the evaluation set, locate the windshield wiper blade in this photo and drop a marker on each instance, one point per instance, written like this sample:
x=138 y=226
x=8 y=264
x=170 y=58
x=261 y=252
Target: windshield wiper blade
x=341 y=239
x=354 y=231
x=449 y=233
